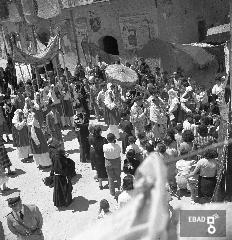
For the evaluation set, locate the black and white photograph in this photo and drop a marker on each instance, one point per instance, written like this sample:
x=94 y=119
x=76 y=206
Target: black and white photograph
x=115 y=119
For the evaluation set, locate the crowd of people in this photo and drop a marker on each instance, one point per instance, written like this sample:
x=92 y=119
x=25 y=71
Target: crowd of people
x=167 y=113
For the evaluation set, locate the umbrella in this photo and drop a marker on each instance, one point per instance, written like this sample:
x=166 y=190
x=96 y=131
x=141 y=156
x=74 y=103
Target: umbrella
x=121 y=74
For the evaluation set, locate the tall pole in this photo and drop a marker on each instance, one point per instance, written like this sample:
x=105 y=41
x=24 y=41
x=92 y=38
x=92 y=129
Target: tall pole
x=229 y=157
x=34 y=38
x=75 y=36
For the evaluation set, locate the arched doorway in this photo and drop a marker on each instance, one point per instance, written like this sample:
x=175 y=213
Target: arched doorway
x=110 y=45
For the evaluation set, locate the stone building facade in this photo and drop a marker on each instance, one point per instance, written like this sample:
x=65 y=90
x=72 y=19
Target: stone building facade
x=122 y=27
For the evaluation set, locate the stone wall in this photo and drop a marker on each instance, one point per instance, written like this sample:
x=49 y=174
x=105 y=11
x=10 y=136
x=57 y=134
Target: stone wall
x=169 y=20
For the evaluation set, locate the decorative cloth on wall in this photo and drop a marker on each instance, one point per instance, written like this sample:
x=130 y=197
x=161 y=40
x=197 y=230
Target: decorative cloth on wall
x=76 y=3
x=4 y=11
x=48 y=8
x=14 y=15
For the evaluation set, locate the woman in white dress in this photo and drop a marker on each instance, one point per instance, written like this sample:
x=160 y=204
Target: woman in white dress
x=37 y=141
x=21 y=135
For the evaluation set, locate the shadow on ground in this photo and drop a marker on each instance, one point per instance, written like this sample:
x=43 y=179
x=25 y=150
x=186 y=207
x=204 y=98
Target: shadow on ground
x=18 y=172
x=9 y=192
x=2 y=236
x=76 y=178
x=72 y=151
x=9 y=149
x=71 y=135
x=28 y=160
x=79 y=204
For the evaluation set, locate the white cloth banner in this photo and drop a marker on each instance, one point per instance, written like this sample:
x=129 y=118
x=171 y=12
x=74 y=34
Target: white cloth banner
x=227 y=57
x=76 y=3
x=136 y=31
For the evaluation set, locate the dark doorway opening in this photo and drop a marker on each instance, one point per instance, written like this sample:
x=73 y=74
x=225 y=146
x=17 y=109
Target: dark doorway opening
x=202 y=30
x=110 y=45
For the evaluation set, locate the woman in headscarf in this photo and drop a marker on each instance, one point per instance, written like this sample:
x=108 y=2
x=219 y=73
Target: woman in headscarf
x=81 y=122
x=37 y=140
x=4 y=128
x=21 y=135
x=112 y=111
x=62 y=195
x=55 y=95
x=67 y=106
x=38 y=108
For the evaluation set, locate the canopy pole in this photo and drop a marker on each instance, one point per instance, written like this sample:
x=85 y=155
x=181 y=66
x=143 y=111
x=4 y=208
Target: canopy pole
x=229 y=152
x=34 y=38
x=37 y=76
x=21 y=73
x=29 y=71
x=75 y=36
x=46 y=72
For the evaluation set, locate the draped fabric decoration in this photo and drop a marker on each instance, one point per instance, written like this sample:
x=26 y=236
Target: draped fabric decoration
x=41 y=58
x=48 y=8
x=199 y=61
x=76 y=3
x=14 y=15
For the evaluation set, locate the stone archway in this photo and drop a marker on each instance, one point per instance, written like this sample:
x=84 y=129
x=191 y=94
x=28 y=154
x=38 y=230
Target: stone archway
x=109 y=44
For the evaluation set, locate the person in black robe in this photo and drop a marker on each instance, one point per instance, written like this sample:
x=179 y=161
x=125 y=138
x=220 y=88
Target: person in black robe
x=127 y=128
x=96 y=141
x=81 y=122
x=82 y=97
x=62 y=195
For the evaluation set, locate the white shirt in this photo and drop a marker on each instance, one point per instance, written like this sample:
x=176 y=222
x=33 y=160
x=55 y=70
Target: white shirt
x=216 y=89
x=133 y=146
x=187 y=126
x=111 y=150
x=124 y=198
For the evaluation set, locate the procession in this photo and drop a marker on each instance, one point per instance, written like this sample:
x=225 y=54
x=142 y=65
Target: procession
x=112 y=143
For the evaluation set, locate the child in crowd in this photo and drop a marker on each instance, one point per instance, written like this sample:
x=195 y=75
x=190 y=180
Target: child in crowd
x=104 y=209
x=149 y=133
x=183 y=168
x=187 y=124
x=178 y=135
x=149 y=148
x=130 y=163
x=141 y=137
x=133 y=145
x=3 y=180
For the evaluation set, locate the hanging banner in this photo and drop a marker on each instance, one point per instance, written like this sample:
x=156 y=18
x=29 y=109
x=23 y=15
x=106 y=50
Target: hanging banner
x=227 y=57
x=41 y=58
x=136 y=31
x=48 y=8
x=82 y=36
x=14 y=15
x=76 y=3
x=2 y=47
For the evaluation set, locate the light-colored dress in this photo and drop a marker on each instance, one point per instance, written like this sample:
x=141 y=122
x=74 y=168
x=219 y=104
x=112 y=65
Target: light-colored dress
x=137 y=118
x=38 y=142
x=21 y=139
x=183 y=169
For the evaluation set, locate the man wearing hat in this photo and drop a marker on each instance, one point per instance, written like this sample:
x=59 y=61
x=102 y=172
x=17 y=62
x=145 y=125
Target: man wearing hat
x=25 y=221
